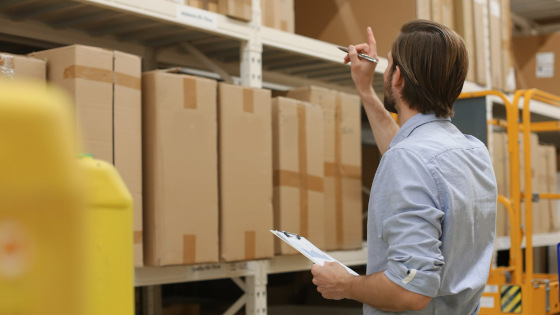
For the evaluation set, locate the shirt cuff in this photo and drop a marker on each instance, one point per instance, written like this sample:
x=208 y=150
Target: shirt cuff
x=417 y=281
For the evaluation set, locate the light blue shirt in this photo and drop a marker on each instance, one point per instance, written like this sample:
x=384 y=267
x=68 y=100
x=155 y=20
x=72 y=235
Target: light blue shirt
x=432 y=215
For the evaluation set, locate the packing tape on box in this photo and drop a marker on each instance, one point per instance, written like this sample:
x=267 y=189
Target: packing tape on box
x=189 y=249
x=7 y=66
x=189 y=93
x=102 y=75
x=292 y=179
x=138 y=237
x=248 y=100
x=250 y=245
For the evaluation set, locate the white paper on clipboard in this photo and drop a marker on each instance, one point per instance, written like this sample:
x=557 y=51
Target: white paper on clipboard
x=308 y=249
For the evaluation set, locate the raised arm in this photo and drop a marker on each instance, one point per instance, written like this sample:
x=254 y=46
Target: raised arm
x=382 y=123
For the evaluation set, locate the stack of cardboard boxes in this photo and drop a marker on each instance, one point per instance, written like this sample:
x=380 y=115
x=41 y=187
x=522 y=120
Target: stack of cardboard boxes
x=543 y=180
x=206 y=162
x=344 y=22
x=106 y=90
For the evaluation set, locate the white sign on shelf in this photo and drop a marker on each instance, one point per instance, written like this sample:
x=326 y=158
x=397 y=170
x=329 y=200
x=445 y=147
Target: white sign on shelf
x=545 y=65
x=197 y=17
x=486 y=302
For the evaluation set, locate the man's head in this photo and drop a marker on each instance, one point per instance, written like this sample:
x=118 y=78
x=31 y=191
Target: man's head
x=432 y=62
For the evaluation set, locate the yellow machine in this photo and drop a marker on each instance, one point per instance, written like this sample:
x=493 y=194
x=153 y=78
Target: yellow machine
x=110 y=237
x=514 y=289
x=65 y=227
x=42 y=219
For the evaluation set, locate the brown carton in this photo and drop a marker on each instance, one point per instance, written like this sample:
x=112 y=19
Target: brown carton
x=180 y=169
x=22 y=67
x=495 y=18
x=500 y=160
x=127 y=133
x=245 y=146
x=344 y=22
x=443 y=13
x=535 y=62
x=238 y=9
x=278 y=14
x=343 y=188
x=464 y=25
x=298 y=171
x=479 y=41
x=552 y=222
x=105 y=86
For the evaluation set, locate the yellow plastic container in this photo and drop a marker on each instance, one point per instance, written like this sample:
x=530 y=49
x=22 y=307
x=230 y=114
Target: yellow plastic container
x=42 y=214
x=110 y=240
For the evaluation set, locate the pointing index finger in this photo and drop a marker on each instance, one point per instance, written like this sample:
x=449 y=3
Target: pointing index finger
x=372 y=44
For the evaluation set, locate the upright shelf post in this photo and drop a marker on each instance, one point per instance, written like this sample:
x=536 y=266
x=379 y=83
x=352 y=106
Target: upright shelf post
x=251 y=51
x=256 y=290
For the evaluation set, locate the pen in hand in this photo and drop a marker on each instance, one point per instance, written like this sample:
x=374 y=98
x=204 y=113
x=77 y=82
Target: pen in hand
x=363 y=56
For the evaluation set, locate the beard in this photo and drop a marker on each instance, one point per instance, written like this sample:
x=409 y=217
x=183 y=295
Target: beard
x=389 y=97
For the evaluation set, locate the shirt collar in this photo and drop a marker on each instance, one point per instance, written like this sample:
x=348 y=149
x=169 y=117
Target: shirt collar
x=412 y=123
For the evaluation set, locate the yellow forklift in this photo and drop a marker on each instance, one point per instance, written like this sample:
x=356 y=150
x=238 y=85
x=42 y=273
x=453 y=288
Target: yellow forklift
x=515 y=289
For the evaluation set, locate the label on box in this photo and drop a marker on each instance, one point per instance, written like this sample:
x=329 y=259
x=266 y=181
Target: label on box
x=545 y=65
x=197 y=17
x=495 y=8
x=486 y=302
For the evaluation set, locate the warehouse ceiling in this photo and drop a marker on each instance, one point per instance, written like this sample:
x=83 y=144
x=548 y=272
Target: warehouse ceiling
x=530 y=17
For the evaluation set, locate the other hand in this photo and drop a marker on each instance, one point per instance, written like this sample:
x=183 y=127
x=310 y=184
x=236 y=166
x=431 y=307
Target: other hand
x=331 y=280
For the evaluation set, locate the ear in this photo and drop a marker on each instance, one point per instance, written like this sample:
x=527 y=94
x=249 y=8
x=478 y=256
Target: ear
x=398 y=80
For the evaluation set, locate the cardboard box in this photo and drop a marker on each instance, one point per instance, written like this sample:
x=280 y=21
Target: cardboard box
x=105 y=87
x=464 y=26
x=278 y=14
x=245 y=146
x=495 y=18
x=298 y=171
x=238 y=9
x=443 y=13
x=534 y=143
x=180 y=169
x=343 y=187
x=344 y=22
x=508 y=72
x=209 y=5
x=479 y=41
x=535 y=62
x=500 y=161
x=551 y=221
x=22 y=67
x=127 y=133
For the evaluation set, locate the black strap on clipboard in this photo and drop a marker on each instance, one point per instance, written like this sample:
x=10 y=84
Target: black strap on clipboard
x=288 y=234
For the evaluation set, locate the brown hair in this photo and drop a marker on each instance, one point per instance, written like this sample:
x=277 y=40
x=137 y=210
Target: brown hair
x=433 y=61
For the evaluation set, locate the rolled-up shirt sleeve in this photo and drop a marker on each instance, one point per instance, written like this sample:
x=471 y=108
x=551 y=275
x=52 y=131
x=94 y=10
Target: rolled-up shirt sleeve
x=413 y=226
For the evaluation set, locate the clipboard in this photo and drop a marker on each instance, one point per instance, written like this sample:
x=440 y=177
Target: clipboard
x=307 y=248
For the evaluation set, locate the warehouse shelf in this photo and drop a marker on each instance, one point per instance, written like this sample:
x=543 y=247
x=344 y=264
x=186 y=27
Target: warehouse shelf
x=156 y=30
x=279 y=264
x=549 y=239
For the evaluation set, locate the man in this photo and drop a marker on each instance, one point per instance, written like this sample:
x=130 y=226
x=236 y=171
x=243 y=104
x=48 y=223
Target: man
x=432 y=209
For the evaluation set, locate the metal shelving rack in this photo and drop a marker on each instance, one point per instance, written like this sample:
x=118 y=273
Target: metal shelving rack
x=166 y=33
